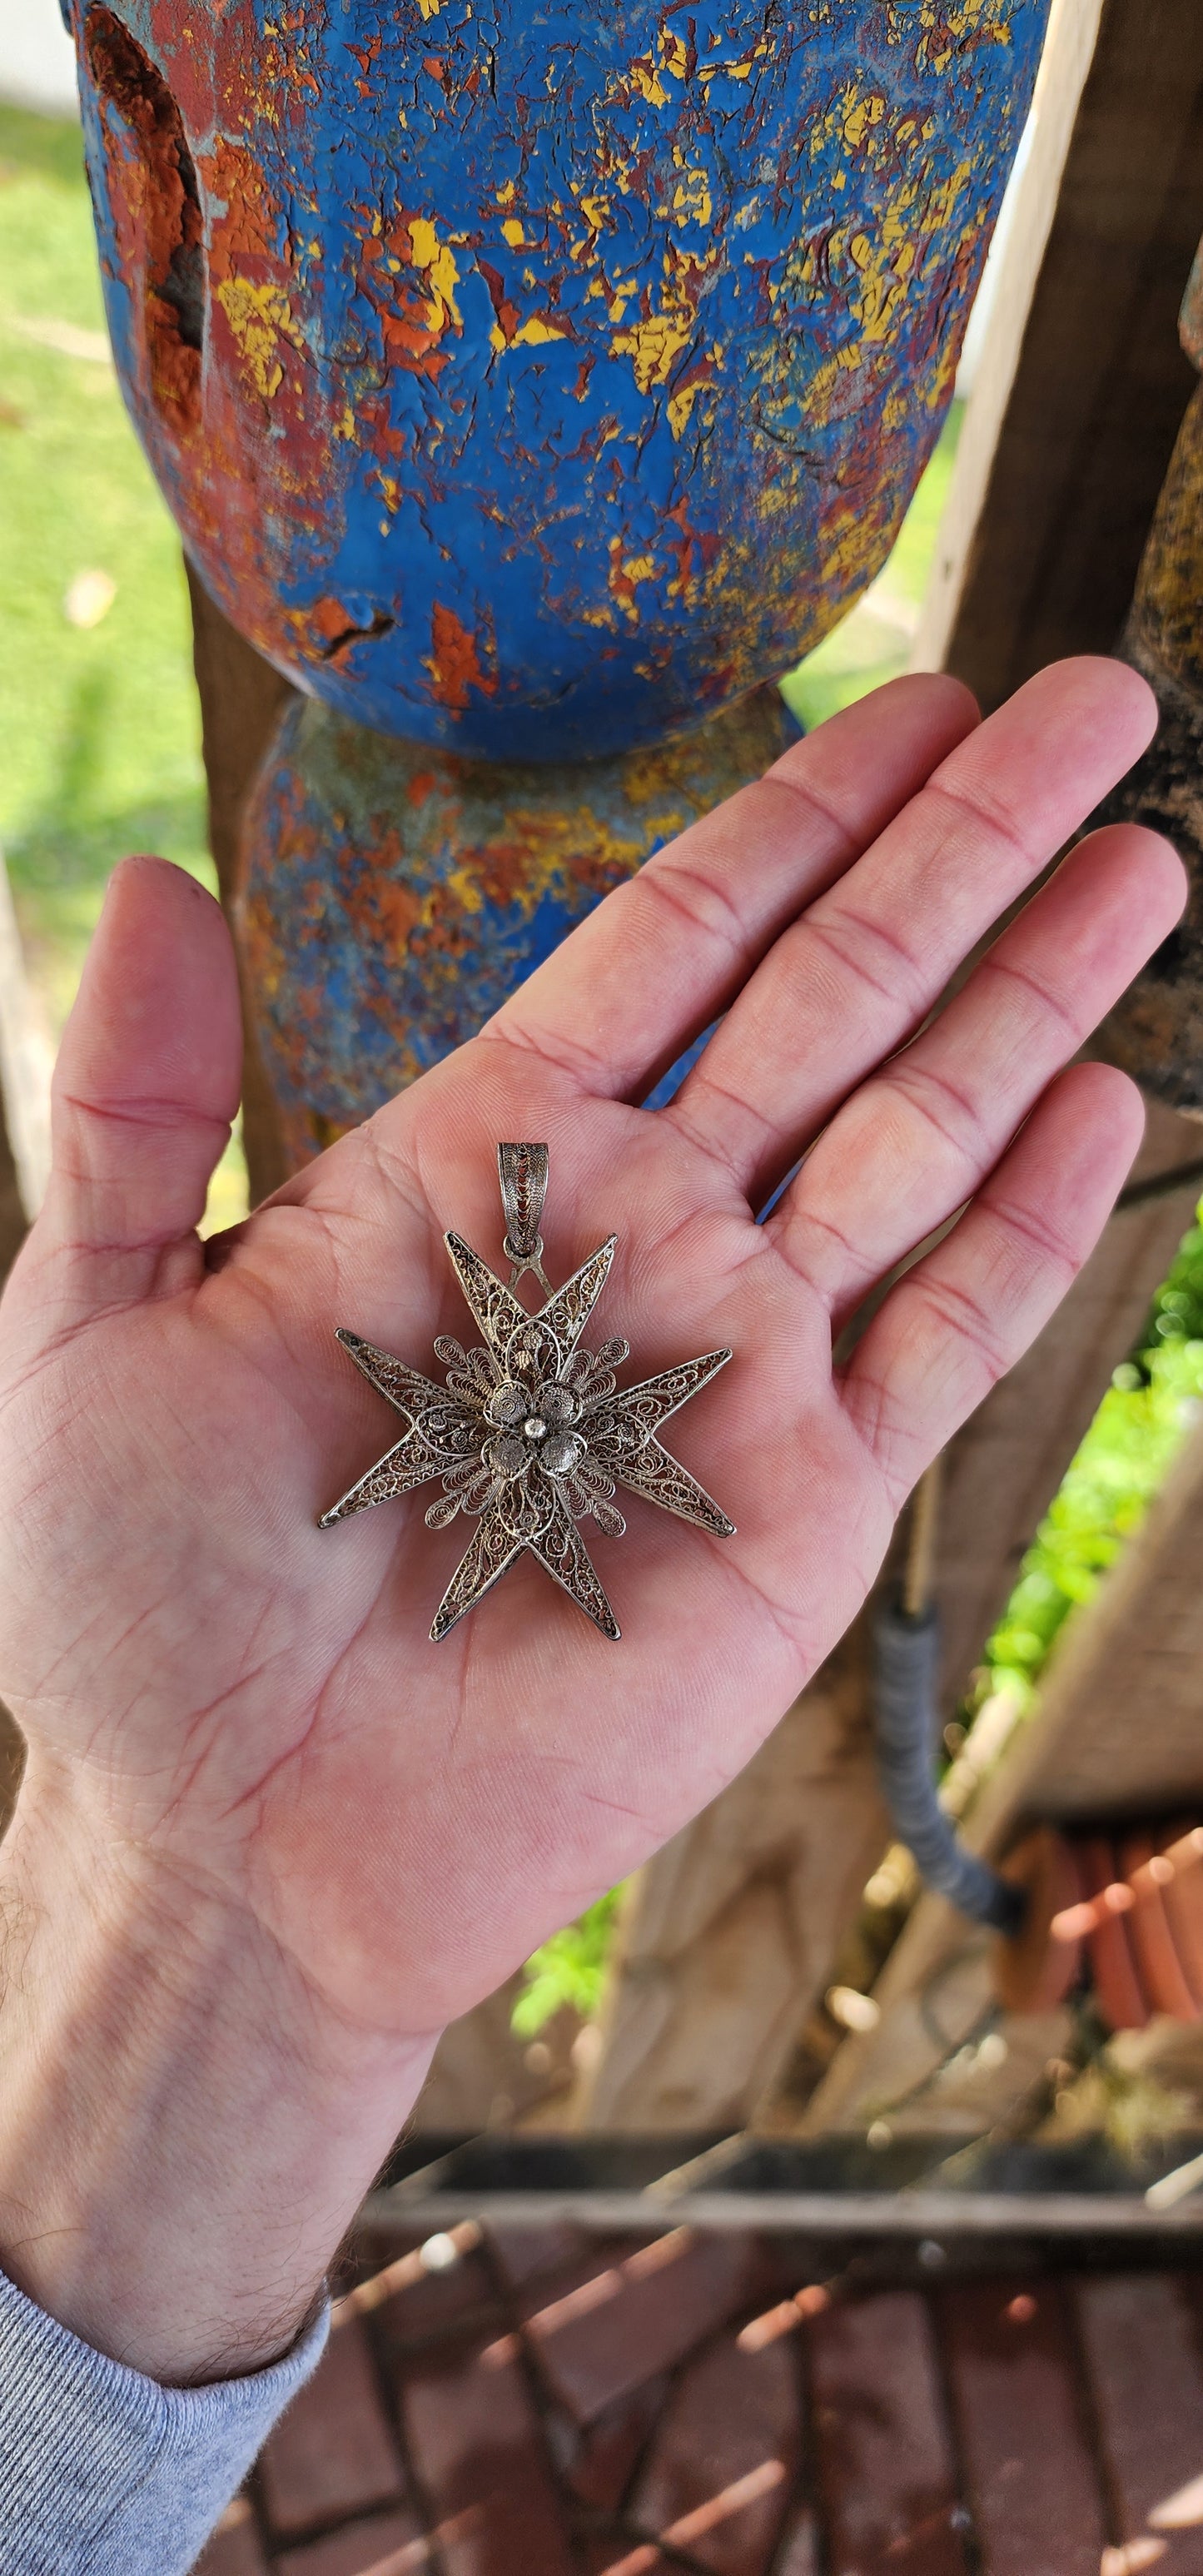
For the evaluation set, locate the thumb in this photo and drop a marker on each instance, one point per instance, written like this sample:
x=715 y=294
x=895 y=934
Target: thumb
x=145 y=1089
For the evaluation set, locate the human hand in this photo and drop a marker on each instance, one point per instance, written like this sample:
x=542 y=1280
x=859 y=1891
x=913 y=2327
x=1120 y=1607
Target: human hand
x=266 y=1821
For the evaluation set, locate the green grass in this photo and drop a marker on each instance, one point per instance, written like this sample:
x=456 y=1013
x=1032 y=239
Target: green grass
x=100 y=725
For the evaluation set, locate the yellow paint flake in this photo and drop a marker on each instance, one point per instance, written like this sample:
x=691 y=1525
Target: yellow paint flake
x=646 y=79
x=506 y=193
x=653 y=344
x=739 y=71
x=430 y=8
x=532 y=334
x=680 y=406
x=692 y=201
x=438 y=262
x=627 y=575
x=513 y=231
x=462 y=885
x=673 y=54
x=861 y=116
x=257 y=314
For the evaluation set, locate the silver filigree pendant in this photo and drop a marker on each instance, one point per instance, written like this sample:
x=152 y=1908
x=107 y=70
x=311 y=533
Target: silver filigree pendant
x=531 y=1433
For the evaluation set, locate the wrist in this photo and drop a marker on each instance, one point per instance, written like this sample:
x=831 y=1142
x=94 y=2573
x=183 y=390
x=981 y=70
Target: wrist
x=186 y=2132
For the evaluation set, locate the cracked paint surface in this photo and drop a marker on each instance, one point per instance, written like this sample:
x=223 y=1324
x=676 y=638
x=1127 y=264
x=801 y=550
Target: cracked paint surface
x=395 y=895
x=533 y=380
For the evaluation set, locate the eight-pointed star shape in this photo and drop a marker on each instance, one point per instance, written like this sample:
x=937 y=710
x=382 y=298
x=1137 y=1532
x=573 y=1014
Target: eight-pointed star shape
x=529 y=1435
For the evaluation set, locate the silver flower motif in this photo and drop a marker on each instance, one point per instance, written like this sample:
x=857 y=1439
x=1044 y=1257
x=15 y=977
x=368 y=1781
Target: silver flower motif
x=530 y=1435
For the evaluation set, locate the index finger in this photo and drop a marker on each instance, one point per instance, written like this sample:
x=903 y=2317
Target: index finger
x=666 y=953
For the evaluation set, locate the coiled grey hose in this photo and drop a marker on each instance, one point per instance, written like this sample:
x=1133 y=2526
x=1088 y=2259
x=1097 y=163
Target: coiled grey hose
x=906 y=1713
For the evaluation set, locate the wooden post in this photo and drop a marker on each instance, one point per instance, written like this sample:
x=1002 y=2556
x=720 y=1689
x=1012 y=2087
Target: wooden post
x=734 y=1925
x=1039 y=553
x=1068 y=52
x=242 y=700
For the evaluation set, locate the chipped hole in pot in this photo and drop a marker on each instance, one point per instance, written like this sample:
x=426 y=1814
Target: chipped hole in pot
x=156 y=204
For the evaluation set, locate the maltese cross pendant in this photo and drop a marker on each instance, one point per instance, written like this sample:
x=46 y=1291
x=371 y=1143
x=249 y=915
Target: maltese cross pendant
x=531 y=1434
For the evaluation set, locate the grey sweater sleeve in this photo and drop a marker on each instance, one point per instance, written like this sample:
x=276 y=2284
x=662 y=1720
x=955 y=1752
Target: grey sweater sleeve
x=104 y=2473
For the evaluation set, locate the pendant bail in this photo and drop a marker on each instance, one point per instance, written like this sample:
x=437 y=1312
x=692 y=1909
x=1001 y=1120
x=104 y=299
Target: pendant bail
x=522 y=1171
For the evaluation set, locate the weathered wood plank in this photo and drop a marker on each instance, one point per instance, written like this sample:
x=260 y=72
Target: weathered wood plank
x=1101 y=383
x=734 y=1925
x=887 y=2478
x=242 y=699
x=1034 y=2482
x=1069 y=48
x=1140 y=2333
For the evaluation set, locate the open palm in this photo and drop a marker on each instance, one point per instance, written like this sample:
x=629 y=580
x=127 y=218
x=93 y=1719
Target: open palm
x=255 y=1703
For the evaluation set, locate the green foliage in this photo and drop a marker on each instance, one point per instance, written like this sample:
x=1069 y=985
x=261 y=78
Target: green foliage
x=1150 y=1404
x=569 y=1969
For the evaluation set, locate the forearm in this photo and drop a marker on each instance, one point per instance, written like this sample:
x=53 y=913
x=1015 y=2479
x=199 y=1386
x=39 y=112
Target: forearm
x=185 y=2131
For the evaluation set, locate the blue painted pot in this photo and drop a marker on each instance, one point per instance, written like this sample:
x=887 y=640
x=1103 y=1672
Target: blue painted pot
x=535 y=379
x=395 y=896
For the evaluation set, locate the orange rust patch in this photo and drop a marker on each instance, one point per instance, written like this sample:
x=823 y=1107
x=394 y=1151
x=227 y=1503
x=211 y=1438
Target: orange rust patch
x=329 y=619
x=233 y=175
x=157 y=208
x=454 y=663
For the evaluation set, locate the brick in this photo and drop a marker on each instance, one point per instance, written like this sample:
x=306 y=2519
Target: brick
x=235 y=2548
x=600 y=2464
x=412 y=2306
x=389 y=2544
x=480 y=2462
x=599 y=2554
x=1033 y=2478
x=626 y=2320
x=530 y=2255
x=723 y=2463
x=889 y=2492
x=1141 y=2341
x=333 y=2453
x=800 y=2548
